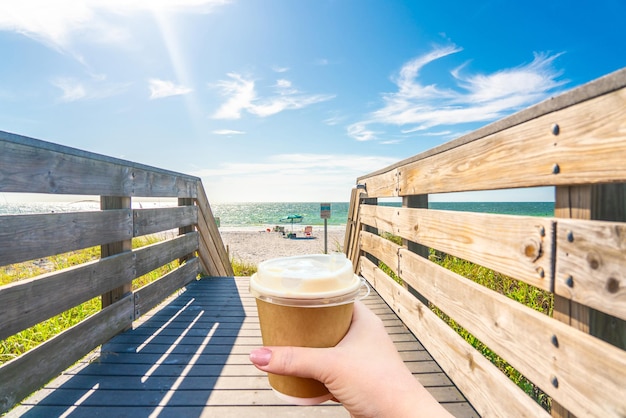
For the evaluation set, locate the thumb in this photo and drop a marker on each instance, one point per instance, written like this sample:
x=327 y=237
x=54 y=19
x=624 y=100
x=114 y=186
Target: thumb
x=292 y=361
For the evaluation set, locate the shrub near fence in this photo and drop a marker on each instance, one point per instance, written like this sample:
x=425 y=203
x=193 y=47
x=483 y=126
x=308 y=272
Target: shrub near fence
x=32 y=166
x=575 y=143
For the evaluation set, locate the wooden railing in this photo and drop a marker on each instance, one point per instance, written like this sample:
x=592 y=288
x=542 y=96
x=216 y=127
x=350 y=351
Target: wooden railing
x=32 y=166
x=575 y=143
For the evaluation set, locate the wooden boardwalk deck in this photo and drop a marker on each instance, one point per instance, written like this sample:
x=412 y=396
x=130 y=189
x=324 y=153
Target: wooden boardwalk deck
x=189 y=358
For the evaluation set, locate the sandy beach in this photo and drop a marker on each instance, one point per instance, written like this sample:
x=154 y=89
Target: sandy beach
x=253 y=245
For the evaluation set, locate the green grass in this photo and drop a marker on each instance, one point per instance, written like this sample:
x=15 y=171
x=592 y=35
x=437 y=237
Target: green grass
x=242 y=268
x=29 y=338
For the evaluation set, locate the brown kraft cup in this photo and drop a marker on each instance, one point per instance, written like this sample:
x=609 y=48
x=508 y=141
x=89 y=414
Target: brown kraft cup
x=304 y=301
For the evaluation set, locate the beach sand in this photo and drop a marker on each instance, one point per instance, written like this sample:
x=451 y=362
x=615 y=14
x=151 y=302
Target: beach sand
x=253 y=245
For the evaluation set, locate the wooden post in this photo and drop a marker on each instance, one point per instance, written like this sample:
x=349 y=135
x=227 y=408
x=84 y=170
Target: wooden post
x=106 y=203
x=185 y=229
x=416 y=201
x=370 y=201
x=605 y=202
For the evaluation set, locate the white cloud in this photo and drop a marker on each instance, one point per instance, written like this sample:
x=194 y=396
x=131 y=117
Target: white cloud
x=417 y=106
x=72 y=89
x=98 y=88
x=299 y=177
x=163 y=88
x=228 y=132
x=360 y=132
x=240 y=94
x=55 y=22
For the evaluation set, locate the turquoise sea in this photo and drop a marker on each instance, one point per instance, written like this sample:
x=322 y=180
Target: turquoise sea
x=264 y=214
x=253 y=214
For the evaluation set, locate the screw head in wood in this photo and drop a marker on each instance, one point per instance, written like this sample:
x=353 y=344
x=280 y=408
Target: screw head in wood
x=555 y=381
x=555 y=341
x=556 y=169
x=556 y=129
x=569 y=281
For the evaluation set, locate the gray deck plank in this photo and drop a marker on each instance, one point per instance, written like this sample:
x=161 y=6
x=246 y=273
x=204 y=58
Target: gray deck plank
x=167 y=366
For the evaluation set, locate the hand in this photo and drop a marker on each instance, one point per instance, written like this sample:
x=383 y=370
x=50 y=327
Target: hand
x=364 y=371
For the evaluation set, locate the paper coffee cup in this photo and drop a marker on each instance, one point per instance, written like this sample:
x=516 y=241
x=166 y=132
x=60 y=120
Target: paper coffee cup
x=304 y=301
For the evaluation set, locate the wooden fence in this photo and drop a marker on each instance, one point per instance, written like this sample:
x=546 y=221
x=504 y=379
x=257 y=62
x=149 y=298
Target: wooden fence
x=32 y=166
x=575 y=143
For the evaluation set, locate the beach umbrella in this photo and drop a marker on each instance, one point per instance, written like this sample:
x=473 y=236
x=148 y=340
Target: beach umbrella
x=292 y=219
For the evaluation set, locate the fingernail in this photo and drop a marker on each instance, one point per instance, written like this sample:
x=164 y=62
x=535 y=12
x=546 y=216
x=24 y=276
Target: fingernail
x=261 y=356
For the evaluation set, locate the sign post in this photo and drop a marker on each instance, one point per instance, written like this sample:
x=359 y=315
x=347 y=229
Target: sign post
x=325 y=215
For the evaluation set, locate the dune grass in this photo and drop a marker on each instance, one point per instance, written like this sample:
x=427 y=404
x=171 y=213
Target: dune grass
x=29 y=338
x=524 y=293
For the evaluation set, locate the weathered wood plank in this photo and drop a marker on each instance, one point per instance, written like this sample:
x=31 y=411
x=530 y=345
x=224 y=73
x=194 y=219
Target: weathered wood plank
x=350 y=245
x=489 y=391
x=28 y=237
x=208 y=251
x=590 y=264
x=591 y=374
x=153 y=256
x=25 y=374
x=207 y=220
x=28 y=165
x=526 y=155
x=385 y=184
x=28 y=302
x=150 y=221
x=153 y=293
x=598 y=87
x=523 y=248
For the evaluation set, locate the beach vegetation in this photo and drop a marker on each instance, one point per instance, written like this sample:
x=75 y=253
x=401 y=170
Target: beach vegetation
x=29 y=338
x=519 y=291
x=242 y=268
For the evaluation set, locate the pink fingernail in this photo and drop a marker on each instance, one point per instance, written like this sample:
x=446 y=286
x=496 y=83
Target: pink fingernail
x=261 y=356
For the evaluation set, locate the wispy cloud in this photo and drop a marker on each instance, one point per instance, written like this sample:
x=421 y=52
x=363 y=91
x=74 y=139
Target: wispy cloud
x=74 y=89
x=162 y=88
x=56 y=23
x=298 y=176
x=419 y=106
x=228 y=132
x=240 y=95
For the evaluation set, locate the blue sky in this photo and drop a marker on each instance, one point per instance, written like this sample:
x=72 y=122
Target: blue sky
x=285 y=100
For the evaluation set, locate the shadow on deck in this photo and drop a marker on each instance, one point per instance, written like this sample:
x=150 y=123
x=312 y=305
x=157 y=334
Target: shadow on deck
x=189 y=357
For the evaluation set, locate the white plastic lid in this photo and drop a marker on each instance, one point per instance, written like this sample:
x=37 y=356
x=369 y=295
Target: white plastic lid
x=308 y=280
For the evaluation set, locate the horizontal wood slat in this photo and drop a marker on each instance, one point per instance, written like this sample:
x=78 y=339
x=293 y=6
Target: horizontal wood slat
x=517 y=246
x=28 y=237
x=30 y=371
x=153 y=256
x=150 y=221
x=152 y=294
x=488 y=390
x=591 y=264
x=591 y=374
x=596 y=88
x=524 y=155
x=31 y=166
x=28 y=302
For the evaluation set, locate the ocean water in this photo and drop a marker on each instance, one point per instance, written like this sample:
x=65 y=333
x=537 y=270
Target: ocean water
x=253 y=214
x=270 y=214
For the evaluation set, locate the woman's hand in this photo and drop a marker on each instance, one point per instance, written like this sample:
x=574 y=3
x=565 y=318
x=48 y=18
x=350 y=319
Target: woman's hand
x=364 y=371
